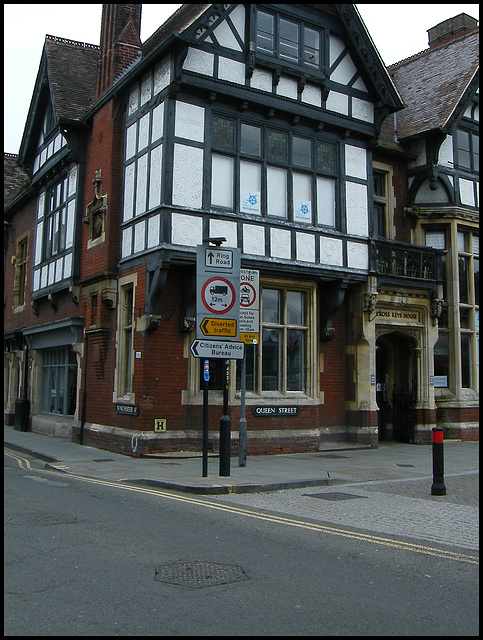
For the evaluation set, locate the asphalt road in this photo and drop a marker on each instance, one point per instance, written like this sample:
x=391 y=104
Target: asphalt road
x=89 y=557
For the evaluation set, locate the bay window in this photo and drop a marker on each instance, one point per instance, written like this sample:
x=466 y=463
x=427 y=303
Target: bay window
x=273 y=173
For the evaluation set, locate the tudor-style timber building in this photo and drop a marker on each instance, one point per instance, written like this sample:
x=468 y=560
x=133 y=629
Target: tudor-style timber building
x=350 y=188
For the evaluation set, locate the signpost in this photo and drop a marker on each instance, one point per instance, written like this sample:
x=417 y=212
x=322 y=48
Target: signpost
x=217 y=316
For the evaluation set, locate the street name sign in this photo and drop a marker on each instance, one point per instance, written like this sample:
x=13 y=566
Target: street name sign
x=218 y=349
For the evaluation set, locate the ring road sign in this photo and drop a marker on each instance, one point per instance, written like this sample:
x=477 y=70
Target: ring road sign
x=218 y=349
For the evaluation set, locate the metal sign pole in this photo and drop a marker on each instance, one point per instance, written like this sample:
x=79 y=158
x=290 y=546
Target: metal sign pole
x=225 y=426
x=242 y=428
x=206 y=377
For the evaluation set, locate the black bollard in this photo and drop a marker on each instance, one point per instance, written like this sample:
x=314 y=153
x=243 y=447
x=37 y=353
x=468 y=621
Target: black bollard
x=438 y=487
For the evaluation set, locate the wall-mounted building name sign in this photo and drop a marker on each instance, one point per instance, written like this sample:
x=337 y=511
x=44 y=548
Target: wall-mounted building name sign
x=127 y=409
x=397 y=315
x=275 y=411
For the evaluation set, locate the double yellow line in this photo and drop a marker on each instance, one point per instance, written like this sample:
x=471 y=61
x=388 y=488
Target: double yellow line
x=247 y=513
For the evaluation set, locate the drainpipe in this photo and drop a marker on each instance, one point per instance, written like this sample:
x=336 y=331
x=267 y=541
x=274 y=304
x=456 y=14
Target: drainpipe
x=84 y=393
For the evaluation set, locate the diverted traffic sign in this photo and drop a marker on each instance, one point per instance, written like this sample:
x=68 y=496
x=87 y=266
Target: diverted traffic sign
x=216 y=327
x=218 y=349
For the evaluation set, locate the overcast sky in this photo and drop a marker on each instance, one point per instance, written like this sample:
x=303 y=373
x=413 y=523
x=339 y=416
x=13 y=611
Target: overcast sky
x=397 y=30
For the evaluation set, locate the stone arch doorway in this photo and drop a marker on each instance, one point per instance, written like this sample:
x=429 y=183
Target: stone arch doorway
x=396 y=384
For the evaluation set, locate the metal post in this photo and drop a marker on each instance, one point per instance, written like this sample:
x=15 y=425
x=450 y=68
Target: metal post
x=438 y=487
x=225 y=426
x=242 y=428
x=206 y=378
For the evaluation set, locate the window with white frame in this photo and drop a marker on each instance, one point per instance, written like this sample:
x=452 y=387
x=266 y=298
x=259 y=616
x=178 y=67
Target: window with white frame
x=269 y=172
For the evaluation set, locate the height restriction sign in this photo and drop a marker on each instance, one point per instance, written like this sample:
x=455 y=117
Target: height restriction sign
x=217 y=292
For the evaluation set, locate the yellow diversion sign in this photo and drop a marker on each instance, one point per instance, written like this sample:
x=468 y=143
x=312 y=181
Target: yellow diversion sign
x=219 y=328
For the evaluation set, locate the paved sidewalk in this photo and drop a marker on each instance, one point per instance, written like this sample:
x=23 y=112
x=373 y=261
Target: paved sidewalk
x=402 y=469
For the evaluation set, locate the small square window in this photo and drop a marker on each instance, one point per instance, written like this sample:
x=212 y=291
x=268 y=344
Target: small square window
x=301 y=152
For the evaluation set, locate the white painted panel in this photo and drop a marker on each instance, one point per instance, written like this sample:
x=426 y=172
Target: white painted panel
x=126 y=246
x=312 y=95
x=345 y=70
x=190 y=121
x=305 y=247
x=59 y=266
x=36 y=285
x=69 y=231
x=146 y=88
x=280 y=244
x=261 y=79
x=338 y=102
x=133 y=99
x=331 y=251
x=162 y=75
x=238 y=18
x=188 y=176
x=355 y=162
x=446 y=152
x=326 y=201
x=224 y=229
x=155 y=177
x=73 y=180
x=222 y=181
x=43 y=278
x=336 y=47
x=357 y=256
x=362 y=110
x=131 y=141
x=38 y=243
x=254 y=239
x=356 y=209
x=50 y=278
x=129 y=191
x=199 y=62
x=158 y=122
x=225 y=37
x=231 y=70
x=68 y=265
x=287 y=87
x=143 y=132
x=186 y=230
x=153 y=231
x=467 y=195
x=141 y=184
x=139 y=236
x=277 y=192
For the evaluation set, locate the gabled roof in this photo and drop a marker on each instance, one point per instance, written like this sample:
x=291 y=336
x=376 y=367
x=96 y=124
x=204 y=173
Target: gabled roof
x=67 y=77
x=433 y=84
x=13 y=178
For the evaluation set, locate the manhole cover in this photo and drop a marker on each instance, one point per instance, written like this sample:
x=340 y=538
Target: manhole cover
x=199 y=574
x=333 y=496
x=42 y=519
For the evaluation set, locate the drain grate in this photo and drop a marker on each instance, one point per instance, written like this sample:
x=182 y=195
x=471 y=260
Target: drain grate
x=199 y=574
x=334 y=496
x=42 y=519
x=404 y=465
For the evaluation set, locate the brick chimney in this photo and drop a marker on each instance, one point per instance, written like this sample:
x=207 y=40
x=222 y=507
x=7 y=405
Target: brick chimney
x=120 y=42
x=451 y=29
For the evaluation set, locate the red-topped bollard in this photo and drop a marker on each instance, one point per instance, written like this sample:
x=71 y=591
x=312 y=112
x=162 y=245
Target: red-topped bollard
x=438 y=487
